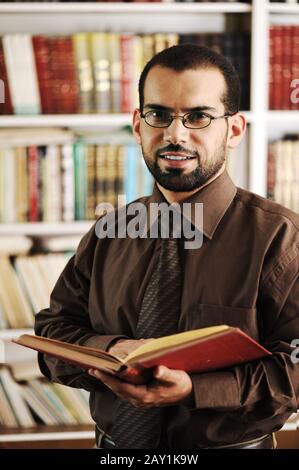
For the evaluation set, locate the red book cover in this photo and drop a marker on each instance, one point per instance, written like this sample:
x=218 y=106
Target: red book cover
x=44 y=73
x=295 y=66
x=277 y=41
x=6 y=107
x=286 y=67
x=33 y=183
x=127 y=72
x=271 y=65
x=212 y=353
x=65 y=85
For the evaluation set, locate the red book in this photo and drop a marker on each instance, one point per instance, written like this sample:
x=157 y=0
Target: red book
x=44 y=73
x=202 y=350
x=6 y=107
x=33 y=183
x=295 y=66
x=127 y=72
x=286 y=67
x=277 y=33
x=65 y=85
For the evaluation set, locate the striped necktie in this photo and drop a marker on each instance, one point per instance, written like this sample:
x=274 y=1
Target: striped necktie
x=136 y=428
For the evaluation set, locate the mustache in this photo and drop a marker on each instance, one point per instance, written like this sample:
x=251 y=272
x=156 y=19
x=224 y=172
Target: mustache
x=176 y=148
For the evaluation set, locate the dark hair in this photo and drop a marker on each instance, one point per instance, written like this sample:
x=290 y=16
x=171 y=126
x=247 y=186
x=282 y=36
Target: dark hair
x=190 y=56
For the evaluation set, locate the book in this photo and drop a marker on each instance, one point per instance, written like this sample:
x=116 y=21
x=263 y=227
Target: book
x=194 y=351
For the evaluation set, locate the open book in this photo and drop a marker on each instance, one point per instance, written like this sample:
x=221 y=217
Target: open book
x=200 y=350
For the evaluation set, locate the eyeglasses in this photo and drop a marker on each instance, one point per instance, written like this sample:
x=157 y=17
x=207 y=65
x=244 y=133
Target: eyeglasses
x=192 y=120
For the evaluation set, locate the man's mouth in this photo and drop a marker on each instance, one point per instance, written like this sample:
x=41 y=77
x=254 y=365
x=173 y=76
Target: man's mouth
x=176 y=156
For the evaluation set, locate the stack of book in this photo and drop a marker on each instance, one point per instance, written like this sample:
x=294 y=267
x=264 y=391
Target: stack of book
x=28 y=403
x=26 y=285
x=283 y=172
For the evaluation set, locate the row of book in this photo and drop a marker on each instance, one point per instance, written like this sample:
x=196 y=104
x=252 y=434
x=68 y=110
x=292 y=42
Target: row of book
x=54 y=176
x=94 y=72
x=283 y=172
x=26 y=404
x=26 y=285
x=284 y=67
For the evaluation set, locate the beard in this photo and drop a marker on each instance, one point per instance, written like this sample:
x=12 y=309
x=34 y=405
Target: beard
x=174 y=179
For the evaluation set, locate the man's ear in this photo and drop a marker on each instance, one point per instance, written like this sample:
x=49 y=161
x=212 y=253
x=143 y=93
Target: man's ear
x=136 y=125
x=237 y=128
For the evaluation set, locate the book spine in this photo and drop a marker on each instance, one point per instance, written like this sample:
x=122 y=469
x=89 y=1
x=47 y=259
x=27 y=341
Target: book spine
x=5 y=98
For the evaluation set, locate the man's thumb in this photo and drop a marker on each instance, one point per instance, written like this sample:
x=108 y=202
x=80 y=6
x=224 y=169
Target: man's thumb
x=163 y=373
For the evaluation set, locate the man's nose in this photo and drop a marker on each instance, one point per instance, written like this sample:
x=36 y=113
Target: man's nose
x=176 y=132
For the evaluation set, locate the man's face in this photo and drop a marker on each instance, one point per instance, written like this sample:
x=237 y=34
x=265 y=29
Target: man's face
x=206 y=148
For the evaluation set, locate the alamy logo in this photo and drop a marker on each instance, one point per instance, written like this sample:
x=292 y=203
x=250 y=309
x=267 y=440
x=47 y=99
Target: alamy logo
x=295 y=353
x=2 y=92
x=295 y=93
x=153 y=220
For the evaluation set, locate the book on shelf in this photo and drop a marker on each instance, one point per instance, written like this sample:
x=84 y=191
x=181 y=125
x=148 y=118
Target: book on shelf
x=14 y=404
x=283 y=171
x=13 y=300
x=26 y=284
x=28 y=400
x=200 y=350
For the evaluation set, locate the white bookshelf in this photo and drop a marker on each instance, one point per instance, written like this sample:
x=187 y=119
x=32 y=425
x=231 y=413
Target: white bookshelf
x=67 y=18
x=283 y=116
x=67 y=120
x=7 y=335
x=47 y=436
x=45 y=229
x=119 y=7
x=283 y=9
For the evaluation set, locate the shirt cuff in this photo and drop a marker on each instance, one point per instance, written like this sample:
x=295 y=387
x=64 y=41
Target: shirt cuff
x=216 y=390
x=103 y=342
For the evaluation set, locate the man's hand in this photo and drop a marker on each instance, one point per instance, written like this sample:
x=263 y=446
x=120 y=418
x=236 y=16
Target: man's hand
x=168 y=387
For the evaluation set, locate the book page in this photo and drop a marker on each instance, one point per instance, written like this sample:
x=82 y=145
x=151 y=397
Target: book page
x=159 y=344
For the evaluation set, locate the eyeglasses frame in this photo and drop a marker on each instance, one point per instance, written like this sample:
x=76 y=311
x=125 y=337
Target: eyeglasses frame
x=183 y=118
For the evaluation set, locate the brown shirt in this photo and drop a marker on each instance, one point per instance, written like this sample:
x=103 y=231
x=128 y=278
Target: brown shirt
x=246 y=274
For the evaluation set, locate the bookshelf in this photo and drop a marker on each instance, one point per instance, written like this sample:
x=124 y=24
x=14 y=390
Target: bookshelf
x=59 y=437
x=283 y=9
x=69 y=120
x=118 y=7
x=14 y=333
x=68 y=18
x=42 y=229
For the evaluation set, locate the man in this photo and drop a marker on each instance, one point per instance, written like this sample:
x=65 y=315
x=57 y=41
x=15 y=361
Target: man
x=245 y=274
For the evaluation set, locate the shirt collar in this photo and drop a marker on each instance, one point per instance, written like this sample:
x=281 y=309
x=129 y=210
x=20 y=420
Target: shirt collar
x=216 y=197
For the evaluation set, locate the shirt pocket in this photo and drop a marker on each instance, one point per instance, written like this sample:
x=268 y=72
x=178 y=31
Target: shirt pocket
x=204 y=315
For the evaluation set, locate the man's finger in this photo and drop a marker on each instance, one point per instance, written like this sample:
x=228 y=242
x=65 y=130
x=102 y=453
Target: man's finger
x=119 y=386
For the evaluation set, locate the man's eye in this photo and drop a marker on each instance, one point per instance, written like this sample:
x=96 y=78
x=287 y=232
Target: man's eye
x=196 y=117
x=160 y=115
